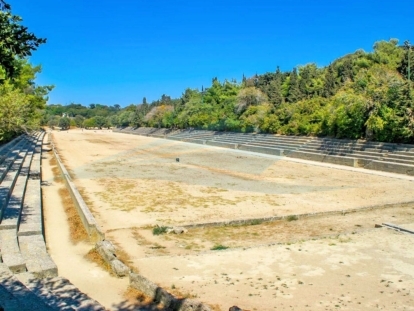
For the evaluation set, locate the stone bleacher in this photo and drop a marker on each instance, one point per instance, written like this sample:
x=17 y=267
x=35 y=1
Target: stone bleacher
x=389 y=157
x=26 y=269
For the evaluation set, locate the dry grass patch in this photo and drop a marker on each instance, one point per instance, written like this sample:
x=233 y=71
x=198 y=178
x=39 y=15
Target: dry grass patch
x=86 y=198
x=123 y=256
x=57 y=175
x=161 y=196
x=139 y=238
x=136 y=297
x=180 y=294
x=77 y=230
x=95 y=257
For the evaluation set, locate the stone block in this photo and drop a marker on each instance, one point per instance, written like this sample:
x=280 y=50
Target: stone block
x=119 y=268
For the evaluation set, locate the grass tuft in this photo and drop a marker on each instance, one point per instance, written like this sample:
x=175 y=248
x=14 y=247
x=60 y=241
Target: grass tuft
x=158 y=230
x=95 y=257
x=219 y=247
x=76 y=228
x=292 y=218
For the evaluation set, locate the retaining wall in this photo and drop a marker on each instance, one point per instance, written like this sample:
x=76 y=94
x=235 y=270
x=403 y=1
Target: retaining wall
x=89 y=222
x=340 y=160
x=391 y=167
x=259 y=149
x=221 y=144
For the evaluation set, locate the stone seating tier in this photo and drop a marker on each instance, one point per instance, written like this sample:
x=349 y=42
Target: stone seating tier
x=280 y=145
x=22 y=243
x=23 y=292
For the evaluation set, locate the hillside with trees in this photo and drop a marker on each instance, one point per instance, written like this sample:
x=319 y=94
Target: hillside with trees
x=22 y=102
x=361 y=95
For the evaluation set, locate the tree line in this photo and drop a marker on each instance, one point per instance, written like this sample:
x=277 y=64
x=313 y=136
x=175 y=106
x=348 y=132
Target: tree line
x=360 y=95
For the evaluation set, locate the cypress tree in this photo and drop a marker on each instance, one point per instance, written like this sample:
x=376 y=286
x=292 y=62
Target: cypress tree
x=330 y=82
x=294 y=91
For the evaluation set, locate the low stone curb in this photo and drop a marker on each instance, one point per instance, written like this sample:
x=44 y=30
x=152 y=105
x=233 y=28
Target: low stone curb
x=108 y=253
x=89 y=222
x=160 y=295
x=252 y=221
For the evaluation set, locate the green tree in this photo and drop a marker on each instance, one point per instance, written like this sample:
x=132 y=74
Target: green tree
x=79 y=120
x=16 y=41
x=64 y=123
x=89 y=123
x=329 y=87
x=406 y=67
x=293 y=94
x=100 y=121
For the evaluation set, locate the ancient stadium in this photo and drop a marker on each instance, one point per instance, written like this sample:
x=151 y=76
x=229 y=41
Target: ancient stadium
x=200 y=220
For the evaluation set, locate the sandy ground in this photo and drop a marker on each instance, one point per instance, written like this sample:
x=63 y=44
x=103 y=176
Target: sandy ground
x=69 y=258
x=132 y=183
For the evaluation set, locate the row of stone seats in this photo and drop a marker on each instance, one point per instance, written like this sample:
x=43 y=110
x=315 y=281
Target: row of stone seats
x=282 y=144
x=23 y=292
x=22 y=245
x=194 y=136
x=145 y=131
x=28 y=276
x=364 y=151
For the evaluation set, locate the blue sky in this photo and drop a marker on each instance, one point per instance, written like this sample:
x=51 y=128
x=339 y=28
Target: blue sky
x=117 y=52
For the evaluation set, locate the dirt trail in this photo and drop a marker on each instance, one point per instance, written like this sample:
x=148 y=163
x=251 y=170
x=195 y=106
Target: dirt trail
x=69 y=258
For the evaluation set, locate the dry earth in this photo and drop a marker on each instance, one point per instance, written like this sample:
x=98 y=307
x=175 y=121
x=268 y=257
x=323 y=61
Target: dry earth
x=132 y=183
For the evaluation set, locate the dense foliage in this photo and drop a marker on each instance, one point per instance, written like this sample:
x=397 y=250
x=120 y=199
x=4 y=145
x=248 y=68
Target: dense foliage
x=21 y=100
x=360 y=95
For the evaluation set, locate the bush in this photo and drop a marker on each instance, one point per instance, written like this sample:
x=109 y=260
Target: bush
x=292 y=218
x=159 y=230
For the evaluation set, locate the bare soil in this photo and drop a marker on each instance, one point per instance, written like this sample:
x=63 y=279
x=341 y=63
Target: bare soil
x=318 y=263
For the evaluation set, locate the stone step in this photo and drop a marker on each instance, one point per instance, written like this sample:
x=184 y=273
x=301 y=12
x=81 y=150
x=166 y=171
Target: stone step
x=10 y=251
x=319 y=157
x=31 y=216
x=283 y=146
x=15 y=296
x=262 y=149
x=234 y=140
x=61 y=294
x=10 y=158
x=391 y=167
x=402 y=155
x=37 y=260
x=12 y=211
x=281 y=139
x=7 y=147
x=7 y=185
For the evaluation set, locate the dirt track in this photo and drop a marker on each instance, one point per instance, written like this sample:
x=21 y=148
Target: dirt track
x=133 y=183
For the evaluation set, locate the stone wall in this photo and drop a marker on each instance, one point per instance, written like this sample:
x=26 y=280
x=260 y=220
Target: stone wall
x=89 y=222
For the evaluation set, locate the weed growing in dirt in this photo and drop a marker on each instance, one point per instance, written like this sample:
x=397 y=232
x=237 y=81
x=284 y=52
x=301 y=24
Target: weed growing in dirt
x=95 y=257
x=292 y=218
x=219 y=247
x=158 y=230
x=255 y=222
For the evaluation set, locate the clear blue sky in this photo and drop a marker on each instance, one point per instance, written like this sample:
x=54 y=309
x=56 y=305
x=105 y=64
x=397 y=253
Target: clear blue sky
x=117 y=52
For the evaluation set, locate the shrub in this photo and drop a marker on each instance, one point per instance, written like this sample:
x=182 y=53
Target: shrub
x=292 y=218
x=159 y=230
